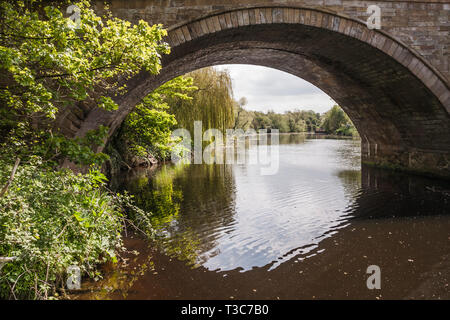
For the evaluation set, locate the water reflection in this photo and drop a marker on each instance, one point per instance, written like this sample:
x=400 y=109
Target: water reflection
x=232 y=217
x=205 y=194
x=308 y=232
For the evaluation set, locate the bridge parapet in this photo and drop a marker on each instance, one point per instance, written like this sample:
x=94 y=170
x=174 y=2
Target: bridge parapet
x=422 y=25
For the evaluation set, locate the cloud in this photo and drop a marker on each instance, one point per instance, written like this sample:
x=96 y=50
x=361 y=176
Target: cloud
x=270 y=89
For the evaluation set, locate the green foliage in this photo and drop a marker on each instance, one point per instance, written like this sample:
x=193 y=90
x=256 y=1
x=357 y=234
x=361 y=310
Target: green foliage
x=334 y=121
x=291 y=121
x=278 y=121
x=56 y=147
x=48 y=64
x=148 y=129
x=51 y=220
x=212 y=102
x=177 y=103
x=337 y=122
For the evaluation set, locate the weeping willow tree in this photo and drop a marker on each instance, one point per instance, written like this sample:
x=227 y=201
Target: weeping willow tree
x=204 y=95
x=212 y=102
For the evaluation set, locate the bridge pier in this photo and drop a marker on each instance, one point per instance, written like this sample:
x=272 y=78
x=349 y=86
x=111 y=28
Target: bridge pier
x=423 y=162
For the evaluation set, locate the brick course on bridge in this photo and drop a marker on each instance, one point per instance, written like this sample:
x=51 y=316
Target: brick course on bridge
x=422 y=25
x=393 y=82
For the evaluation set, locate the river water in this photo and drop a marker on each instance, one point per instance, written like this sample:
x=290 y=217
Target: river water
x=310 y=231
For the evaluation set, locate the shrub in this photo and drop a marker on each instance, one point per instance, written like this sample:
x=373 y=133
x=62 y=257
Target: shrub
x=51 y=220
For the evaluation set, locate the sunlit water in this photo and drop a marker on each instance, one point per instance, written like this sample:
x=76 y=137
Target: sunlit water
x=271 y=218
x=308 y=231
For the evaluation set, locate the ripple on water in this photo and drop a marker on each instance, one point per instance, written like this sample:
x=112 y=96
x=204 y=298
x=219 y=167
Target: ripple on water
x=320 y=216
x=273 y=218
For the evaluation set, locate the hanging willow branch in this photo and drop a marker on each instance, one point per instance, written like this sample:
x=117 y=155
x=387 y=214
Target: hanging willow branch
x=212 y=102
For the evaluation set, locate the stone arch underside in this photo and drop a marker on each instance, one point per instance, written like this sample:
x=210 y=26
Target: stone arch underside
x=399 y=105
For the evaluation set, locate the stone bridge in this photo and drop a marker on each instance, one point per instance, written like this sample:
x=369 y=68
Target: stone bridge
x=392 y=82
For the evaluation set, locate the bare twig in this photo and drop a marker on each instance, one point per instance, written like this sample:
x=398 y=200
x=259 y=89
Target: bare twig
x=11 y=178
x=15 y=282
x=46 y=277
x=11 y=290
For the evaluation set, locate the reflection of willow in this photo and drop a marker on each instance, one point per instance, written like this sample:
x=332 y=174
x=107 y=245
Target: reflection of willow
x=292 y=138
x=208 y=204
x=180 y=221
x=189 y=204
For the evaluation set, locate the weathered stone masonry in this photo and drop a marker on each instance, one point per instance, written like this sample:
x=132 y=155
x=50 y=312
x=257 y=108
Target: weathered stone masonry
x=393 y=83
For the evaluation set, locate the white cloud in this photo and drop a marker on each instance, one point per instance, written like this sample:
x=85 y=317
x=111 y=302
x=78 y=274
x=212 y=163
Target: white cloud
x=270 y=89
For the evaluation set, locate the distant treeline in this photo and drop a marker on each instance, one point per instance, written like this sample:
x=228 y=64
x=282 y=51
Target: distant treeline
x=335 y=121
x=212 y=102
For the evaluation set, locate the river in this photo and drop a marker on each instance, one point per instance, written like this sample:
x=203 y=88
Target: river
x=310 y=231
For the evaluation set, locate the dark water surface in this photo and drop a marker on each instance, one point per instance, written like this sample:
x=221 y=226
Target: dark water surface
x=309 y=231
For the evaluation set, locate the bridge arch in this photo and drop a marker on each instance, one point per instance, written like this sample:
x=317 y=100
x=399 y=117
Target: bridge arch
x=399 y=102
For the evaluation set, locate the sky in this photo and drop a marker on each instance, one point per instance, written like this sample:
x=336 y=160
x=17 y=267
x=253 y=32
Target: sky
x=269 y=89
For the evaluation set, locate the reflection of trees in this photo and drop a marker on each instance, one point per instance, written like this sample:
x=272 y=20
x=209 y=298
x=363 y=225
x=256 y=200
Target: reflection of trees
x=205 y=195
x=208 y=204
x=188 y=205
x=158 y=195
x=292 y=138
